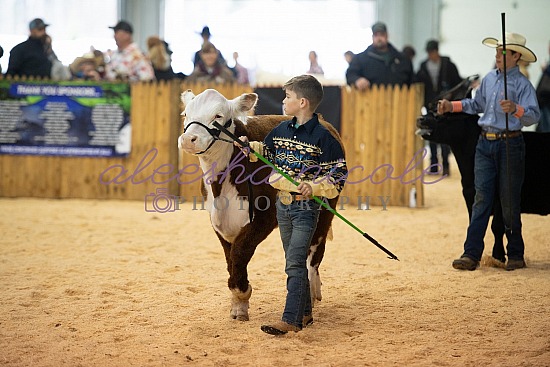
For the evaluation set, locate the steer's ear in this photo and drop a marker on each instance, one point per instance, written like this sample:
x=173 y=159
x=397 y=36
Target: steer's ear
x=186 y=97
x=245 y=102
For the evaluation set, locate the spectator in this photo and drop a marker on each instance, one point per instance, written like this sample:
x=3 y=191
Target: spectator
x=380 y=63
x=59 y=71
x=30 y=58
x=209 y=69
x=100 y=61
x=205 y=34
x=410 y=52
x=161 y=58
x=523 y=68
x=439 y=74
x=85 y=67
x=500 y=149
x=348 y=55
x=127 y=63
x=314 y=67
x=240 y=71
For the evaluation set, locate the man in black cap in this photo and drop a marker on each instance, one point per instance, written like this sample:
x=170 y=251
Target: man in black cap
x=30 y=58
x=380 y=63
x=127 y=63
x=439 y=74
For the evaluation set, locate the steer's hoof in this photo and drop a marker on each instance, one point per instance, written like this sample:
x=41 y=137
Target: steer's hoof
x=240 y=317
x=239 y=304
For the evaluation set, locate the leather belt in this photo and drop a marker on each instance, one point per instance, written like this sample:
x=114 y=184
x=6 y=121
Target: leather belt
x=502 y=135
x=287 y=198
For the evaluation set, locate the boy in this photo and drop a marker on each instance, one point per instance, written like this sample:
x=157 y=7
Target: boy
x=491 y=162
x=304 y=149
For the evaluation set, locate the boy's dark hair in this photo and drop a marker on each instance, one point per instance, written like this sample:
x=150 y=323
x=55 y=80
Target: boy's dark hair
x=308 y=87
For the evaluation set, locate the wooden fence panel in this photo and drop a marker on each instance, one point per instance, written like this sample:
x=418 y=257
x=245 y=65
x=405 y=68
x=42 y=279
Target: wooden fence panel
x=378 y=128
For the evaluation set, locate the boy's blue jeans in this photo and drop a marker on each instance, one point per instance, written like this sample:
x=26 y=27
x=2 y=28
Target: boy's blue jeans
x=490 y=174
x=297 y=223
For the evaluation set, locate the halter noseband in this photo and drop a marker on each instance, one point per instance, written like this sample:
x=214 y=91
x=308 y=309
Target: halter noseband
x=214 y=133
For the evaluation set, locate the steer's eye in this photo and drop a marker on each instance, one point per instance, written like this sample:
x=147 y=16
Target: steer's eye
x=218 y=117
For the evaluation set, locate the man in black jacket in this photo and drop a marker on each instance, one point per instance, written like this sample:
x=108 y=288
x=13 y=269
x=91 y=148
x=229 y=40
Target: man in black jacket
x=380 y=63
x=30 y=58
x=438 y=74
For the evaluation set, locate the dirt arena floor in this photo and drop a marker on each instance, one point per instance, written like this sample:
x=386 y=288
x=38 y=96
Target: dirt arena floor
x=104 y=283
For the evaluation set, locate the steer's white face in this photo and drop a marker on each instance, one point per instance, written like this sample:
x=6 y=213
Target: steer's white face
x=199 y=114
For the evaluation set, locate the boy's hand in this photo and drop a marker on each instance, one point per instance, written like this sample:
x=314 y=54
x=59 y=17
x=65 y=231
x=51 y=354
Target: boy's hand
x=238 y=145
x=444 y=106
x=305 y=189
x=508 y=106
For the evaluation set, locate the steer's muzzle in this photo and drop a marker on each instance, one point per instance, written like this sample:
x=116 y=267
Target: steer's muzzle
x=188 y=143
x=425 y=125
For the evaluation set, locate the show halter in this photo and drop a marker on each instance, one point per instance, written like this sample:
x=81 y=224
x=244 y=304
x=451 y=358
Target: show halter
x=214 y=133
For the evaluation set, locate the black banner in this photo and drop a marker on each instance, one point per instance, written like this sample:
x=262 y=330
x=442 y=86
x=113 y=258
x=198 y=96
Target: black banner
x=270 y=102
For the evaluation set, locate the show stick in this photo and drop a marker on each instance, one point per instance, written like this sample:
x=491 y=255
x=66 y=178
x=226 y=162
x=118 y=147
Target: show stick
x=317 y=199
x=508 y=174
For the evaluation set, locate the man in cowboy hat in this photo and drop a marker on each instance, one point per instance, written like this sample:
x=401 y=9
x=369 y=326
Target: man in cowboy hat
x=205 y=34
x=85 y=67
x=492 y=161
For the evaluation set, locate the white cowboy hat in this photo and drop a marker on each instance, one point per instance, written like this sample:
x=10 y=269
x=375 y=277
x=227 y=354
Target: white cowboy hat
x=514 y=42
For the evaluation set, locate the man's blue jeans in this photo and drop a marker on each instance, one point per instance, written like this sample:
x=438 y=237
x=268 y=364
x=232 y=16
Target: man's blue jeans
x=491 y=175
x=297 y=223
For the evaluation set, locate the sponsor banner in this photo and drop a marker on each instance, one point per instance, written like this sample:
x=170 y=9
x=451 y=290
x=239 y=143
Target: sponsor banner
x=83 y=119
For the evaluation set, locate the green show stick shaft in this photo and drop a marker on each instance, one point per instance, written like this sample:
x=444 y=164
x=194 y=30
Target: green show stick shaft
x=321 y=202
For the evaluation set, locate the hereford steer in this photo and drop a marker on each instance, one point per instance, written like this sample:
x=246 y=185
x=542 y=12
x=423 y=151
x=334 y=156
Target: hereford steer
x=461 y=132
x=240 y=202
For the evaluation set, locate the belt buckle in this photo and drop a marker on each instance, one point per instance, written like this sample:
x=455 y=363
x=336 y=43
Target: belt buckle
x=285 y=197
x=491 y=136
